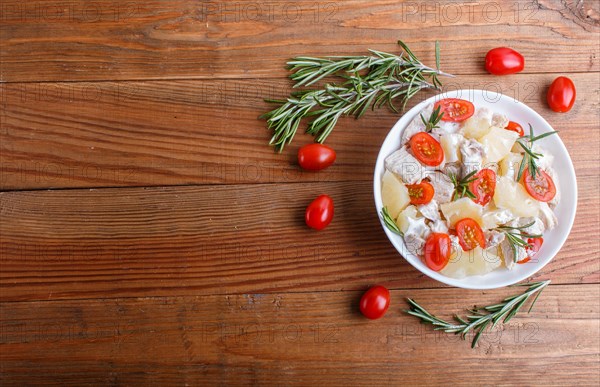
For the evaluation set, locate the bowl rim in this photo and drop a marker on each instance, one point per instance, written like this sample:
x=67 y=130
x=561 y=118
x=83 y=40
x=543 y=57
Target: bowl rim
x=398 y=242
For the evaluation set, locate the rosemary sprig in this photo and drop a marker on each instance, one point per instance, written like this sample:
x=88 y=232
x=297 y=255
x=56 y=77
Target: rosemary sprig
x=389 y=222
x=368 y=81
x=529 y=157
x=434 y=119
x=461 y=186
x=515 y=236
x=480 y=318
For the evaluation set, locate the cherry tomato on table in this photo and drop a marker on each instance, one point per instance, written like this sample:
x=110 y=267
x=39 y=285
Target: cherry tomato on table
x=319 y=213
x=470 y=234
x=541 y=188
x=437 y=251
x=503 y=61
x=315 y=157
x=561 y=95
x=375 y=302
x=513 y=126
x=421 y=193
x=483 y=186
x=455 y=110
x=426 y=149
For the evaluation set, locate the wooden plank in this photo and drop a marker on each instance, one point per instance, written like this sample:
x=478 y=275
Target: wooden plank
x=55 y=40
x=296 y=339
x=203 y=132
x=220 y=239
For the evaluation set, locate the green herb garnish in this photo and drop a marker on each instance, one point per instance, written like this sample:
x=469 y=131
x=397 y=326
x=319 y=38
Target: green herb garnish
x=515 y=236
x=529 y=157
x=461 y=186
x=480 y=318
x=434 y=119
x=368 y=81
x=389 y=222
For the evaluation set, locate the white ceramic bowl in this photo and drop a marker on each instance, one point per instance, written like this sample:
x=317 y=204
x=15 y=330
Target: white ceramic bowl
x=565 y=211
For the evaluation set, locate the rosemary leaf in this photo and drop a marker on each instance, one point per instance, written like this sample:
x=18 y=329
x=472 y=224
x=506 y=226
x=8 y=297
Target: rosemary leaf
x=437 y=55
x=515 y=235
x=389 y=222
x=367 y=81
x=478 y=335
x=529 y=157
x=481 y=317
x=461 y=186
x=433 y=120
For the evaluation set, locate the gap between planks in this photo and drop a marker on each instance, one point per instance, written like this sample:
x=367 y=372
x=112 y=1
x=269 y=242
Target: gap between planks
x=242 y=78
x=331 y=291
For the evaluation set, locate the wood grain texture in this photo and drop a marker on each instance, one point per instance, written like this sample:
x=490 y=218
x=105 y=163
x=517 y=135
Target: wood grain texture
x=54 y=40
x=204 y=132
x=296 y=339
x=221 y=239
x=174 y=250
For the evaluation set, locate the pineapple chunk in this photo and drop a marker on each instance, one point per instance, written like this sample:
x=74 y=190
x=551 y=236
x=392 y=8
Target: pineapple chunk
x=475 y=262
x=495 y=217
x=407 y=216
x=394 y=194
x=460 y=209
x=512 y=196
x=478 y=125
x=517 y=148
x=451 y=145
x=509 y=165
x=497 y=144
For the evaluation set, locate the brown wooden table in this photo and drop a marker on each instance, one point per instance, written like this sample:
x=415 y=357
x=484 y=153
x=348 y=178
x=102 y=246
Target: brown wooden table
x=149 y=236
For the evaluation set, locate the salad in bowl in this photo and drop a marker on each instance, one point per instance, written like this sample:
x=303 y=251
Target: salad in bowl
x=470 y=197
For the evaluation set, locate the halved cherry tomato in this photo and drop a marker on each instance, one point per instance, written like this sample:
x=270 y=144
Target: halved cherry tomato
x=503 y=61
x=455 y=110
x=315 y=157
x=561 y=95
x=375 y=302
x=515 y=128
x=426 y=149
x=437 y=251
x=421 y=193
x=536 y=245
x=483 y=186
x=541 y=188
x=470 y=234
x=319 y=213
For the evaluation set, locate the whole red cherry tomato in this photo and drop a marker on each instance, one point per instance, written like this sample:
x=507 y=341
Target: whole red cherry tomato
x=375 y=302
x=315 y=157
x=561 y=95
x=319 y=213
x=438 y=248
x=503 y=61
